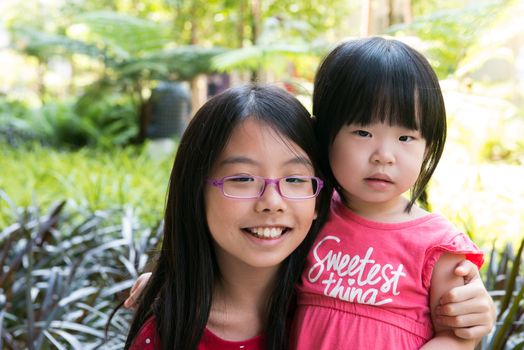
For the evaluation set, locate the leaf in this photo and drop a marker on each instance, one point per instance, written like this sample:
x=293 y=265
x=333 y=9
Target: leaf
x=512 y=280
x=76 y=295
x=130 y=267
x=253 y=57
x=54 y=341
x=117 y=288
x=107 y=246
x=503 y=331
x=491 y=270
x=41 y=44
x=57 y=325
x=51 y=289
x=71 y=339
x=124 y=33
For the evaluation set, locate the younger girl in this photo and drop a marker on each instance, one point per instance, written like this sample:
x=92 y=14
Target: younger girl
x=240 y=204
x=379 y=266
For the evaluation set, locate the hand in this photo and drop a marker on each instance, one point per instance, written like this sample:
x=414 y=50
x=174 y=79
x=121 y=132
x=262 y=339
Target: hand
x=468 y=309
x=136 y=290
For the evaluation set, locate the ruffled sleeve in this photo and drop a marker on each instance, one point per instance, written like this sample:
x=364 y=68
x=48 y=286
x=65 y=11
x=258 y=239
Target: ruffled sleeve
x=459 y=244
x=146 y=338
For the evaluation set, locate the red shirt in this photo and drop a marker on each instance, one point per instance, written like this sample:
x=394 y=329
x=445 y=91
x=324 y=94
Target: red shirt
x=147 y=339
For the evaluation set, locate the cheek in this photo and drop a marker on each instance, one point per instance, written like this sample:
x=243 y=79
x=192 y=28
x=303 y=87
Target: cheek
x=343 y=162
x=303 y=212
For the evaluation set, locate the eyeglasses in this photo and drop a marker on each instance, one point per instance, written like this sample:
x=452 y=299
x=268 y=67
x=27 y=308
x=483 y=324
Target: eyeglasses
x=251 y=186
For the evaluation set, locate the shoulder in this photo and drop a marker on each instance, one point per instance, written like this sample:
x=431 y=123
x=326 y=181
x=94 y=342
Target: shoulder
x=147 y=337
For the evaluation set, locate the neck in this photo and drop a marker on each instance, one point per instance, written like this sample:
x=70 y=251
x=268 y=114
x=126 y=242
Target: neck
x=390 y=211
x=239 y=306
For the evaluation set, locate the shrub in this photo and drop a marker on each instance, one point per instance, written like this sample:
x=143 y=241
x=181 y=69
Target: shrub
x=89 y=178
x=505 y=282
x=62 y=271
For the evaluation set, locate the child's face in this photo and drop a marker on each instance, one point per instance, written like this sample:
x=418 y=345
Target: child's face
x=237 y=225
x=376 y=164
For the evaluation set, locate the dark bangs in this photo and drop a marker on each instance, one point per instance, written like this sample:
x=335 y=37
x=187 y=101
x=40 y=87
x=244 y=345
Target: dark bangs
x=379 y=81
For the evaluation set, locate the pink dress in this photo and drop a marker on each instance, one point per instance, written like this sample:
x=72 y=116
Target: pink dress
x=366 y=284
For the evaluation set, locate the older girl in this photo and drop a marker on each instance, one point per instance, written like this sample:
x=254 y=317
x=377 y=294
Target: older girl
x=242 y=199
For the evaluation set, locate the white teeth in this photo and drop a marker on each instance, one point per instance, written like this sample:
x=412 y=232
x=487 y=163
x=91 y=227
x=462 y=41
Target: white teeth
x=267 y=232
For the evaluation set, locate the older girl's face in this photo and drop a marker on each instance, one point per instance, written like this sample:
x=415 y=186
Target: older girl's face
x=258 y=232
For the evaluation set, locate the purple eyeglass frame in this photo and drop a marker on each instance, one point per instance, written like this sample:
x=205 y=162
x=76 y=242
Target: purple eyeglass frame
x=220 y=184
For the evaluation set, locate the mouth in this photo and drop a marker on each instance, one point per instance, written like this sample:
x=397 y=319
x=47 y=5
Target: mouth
x=379 y=178
x=265 y=232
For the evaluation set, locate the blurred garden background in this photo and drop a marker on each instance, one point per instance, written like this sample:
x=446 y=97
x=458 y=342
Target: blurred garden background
x=94 y=95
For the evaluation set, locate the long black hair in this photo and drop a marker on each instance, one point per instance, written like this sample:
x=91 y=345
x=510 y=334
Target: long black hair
x=380 y=80
x=179 y=293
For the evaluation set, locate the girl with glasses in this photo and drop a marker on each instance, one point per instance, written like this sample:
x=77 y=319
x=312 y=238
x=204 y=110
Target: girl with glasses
x=244 y=192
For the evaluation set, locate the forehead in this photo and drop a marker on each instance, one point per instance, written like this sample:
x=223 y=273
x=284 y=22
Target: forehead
x=254 y=142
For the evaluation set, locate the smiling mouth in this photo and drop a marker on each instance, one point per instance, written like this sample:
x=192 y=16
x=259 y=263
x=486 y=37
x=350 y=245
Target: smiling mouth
x=266 y=232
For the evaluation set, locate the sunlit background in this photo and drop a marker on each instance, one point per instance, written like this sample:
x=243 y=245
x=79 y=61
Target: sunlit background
x=94 y=95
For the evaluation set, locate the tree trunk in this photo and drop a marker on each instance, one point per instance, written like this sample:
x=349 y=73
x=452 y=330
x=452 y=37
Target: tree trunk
x=407 y=11
x=240 y=24
x=42 y=91
x=391 y=14
x=198 y=83
x=255 y=31
x=365 y=18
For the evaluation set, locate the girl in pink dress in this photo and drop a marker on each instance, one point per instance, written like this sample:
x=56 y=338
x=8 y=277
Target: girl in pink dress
x=378 y=268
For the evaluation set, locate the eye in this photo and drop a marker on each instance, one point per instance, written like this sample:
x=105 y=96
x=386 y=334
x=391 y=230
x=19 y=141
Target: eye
x=295 y=180
x=406 y=138
x=241 y=179
x=362 y=133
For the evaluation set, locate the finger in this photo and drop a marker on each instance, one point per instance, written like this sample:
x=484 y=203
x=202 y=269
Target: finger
x=472 y=332
x=472 y=306
x=462 y=321
x=134 y=286
x=138 y=284
x=463 y=293
x=129 y=303
x=468 y=270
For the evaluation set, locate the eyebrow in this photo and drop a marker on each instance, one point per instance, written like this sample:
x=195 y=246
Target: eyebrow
x=249 y=161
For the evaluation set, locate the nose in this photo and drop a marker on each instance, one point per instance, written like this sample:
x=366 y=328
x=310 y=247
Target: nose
x=270 y=200
x=382 y=155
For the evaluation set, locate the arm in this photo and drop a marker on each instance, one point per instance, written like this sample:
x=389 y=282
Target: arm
x=468 y=309
x=442 y=280
x=136 y=290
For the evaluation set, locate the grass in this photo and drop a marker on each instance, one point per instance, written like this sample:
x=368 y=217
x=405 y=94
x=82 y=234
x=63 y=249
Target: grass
x=86 y=178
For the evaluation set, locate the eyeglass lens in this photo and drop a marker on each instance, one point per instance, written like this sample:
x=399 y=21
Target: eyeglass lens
x=291 y=187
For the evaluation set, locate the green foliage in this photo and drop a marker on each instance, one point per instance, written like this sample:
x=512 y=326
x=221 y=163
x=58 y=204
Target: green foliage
x=505 y=281
x=506 y=145
x=125 y=35
x=62 y=272
x=87 y=178
x=134 y=53
x=111 y=117
x=13 y=127
x=34 y=42
x=63 y=267
x=103 y=121
x=449 y=33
